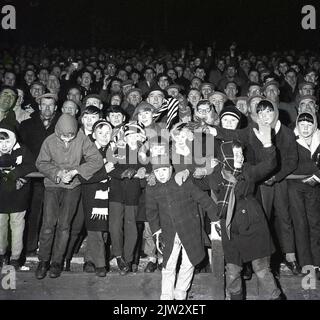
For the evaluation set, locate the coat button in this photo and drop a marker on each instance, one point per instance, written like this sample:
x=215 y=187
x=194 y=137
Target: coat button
x=243 y=211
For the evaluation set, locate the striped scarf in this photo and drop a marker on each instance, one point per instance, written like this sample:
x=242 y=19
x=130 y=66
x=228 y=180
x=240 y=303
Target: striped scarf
x=170 y=107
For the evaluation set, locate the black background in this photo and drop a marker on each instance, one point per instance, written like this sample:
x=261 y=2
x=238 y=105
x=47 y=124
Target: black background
x=256 y=25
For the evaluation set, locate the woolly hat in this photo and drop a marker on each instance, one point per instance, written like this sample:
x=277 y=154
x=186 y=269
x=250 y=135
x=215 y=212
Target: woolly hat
x=101 y=122
x=230 y=110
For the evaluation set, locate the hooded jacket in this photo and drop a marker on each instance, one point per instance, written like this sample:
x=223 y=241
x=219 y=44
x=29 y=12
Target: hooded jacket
x=309 y=156
x=55 y=155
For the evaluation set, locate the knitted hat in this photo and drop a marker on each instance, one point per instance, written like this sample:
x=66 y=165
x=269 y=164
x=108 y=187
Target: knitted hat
x=160 y=162
x=100 y=123
x=230 y=110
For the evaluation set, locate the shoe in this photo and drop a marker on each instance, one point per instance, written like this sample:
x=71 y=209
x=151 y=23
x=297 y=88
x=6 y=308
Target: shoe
x=294 y=267
x=281 y=297
x=55 y=270
x=123 y=266
x=89 y=267
x=134 y=268
x=67 y=266
x=160 y=266
x=151 y=267
x=101 y=272
x=42 y=269
x=15 y=263
x=247 y=271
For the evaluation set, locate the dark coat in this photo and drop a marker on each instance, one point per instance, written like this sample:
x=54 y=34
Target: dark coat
x=250 y=237
x=32 y=132
x=173 y=209
x=22 y=163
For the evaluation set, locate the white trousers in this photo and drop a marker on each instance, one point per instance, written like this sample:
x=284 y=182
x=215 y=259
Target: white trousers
x=169 y=291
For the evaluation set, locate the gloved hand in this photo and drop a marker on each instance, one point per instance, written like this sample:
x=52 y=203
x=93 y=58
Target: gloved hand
x=20 y=183
x=141 y=173
x=271 y=181
x=181 y=177
x=128 y=173
x=151 y=179
x=215 y=233
x=311 y=181
x=199 y=173
x=159 y=241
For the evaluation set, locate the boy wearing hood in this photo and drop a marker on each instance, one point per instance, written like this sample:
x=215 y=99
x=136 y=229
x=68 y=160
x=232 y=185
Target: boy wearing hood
x=59 y=161
x=304 y=193
x=241 y=215
x=274 y=191
x=16 y=161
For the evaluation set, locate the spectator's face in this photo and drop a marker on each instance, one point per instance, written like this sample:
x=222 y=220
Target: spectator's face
x=53 y=83
x=69 y=107
x=134 y=98
x=115 y=86
x=283 y=67
x=179 y=71
x=94 y=102
x=111 y=69
x=173 y=92
x=311 y=77
x=200 y=73
x=242 y=106
x=6 y=146
x=197 y=62
x=9 y=79
x=231 y=71
x=86 y=79
x=149 y=75
x=194 y=97
x=306 y=89
x=254 y=91
x=116 y=119
x=221 y=65
x=253 y=103
x=155 y=98
x=145 y=117
x=36 y=90
x=172 y=74
x=122 y=74
x=217 y=100
x=163 y=174
x=229 y=122
x=126 y=88
x=163 y=82
x=203 y=111
x=272 y=92
x=316 y=65
x=245 y=65
x=266 y=116
x=43 y=76
x=56 y=71
x=102 y=135
x=291 y=78
x=115 y=100
x=74 y=94
x=181 y=137
x=305 y=128
x=66 y=138
x=135 y=77
x=231 y=90
x=307 y=105
x=88 y=120
x=196 y=83
x=29 y=76
x=98 y=74
x=206 y=90
x=47 y=107
x=7 y=100
x=254 y=76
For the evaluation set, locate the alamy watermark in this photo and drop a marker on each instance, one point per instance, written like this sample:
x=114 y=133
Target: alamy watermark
x=8 y=277
x=8 y=18
x=309 y=282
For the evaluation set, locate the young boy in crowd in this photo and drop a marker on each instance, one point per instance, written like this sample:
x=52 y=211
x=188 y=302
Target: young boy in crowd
x=175 y=222
x=16 y=161
x=59 y=161
x=95 y=199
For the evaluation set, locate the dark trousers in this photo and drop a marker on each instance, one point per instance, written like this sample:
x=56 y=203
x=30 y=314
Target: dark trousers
x=123 y=229
x=138 y=247
x=275 y=199
x=96 y=248
x=305 y=211
x=76 y=231
x=34 y=215
x=59 y=207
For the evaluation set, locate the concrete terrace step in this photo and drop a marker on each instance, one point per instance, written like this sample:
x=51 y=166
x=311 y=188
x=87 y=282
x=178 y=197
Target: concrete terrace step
x=139 y=286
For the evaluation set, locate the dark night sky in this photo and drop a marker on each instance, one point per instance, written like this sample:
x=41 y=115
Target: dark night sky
x=124 y=23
